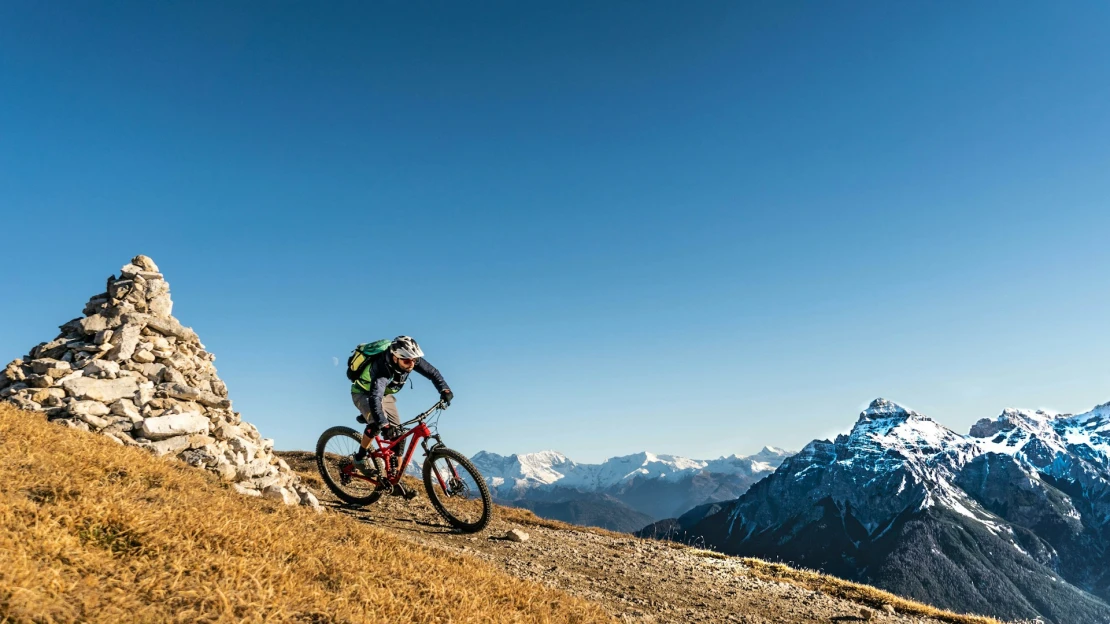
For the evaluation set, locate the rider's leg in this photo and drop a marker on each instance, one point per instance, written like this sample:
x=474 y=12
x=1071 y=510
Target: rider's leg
x=389 y=406
x=362 y=402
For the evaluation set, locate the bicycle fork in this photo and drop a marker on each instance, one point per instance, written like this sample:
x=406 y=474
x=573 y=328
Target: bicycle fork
x=454 y=476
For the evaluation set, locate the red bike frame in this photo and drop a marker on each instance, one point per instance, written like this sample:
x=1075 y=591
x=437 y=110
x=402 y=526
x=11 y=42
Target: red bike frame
x=421 y=433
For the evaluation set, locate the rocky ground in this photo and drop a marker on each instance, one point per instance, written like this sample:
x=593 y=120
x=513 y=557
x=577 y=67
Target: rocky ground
x=634 y=579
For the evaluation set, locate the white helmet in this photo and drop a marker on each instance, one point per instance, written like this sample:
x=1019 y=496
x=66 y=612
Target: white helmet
x=405 y=348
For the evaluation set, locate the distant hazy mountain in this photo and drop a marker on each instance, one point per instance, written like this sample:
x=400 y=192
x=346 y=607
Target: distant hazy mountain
x=622 y=493
x=1012 y=520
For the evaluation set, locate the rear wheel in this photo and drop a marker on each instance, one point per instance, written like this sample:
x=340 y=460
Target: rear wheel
x=457 y=490
x=334 y=452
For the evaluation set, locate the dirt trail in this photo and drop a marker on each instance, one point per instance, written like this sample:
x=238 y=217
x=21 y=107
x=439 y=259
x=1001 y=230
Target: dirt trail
x=636 y=580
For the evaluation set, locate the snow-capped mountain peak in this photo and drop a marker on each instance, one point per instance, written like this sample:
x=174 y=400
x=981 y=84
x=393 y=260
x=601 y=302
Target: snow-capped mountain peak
x=542 y=468
x=881 y=409
x=1030 y=488
x=649 y=484
x=1051 y=442
x=892 y=434
x=547 y=468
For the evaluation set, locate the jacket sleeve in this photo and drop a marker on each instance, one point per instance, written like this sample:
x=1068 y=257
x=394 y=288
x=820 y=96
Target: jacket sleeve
x=377 y=393
x=429 y=371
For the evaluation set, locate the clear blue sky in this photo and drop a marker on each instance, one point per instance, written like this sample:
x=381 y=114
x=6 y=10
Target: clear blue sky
x=685 y=228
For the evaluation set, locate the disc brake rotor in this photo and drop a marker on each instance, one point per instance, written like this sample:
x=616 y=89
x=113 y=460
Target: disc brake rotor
x=345 y=469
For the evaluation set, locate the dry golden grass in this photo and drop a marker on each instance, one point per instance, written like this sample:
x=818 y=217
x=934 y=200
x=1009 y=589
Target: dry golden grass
x=94 y=532
x=855 y=592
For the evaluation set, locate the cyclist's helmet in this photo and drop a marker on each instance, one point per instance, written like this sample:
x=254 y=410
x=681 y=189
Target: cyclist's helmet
x=406 y=348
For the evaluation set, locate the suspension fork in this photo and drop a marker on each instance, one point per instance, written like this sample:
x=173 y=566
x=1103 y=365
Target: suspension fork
x=428 y=454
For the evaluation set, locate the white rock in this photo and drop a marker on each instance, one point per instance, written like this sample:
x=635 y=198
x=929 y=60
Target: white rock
x=144 y=394
x=225 y=469
x=126 y=408
x=94 y=421
x=279 y=493
x=226 y=431
x=93 y=324
x=309 y=499
x=172 y=375
x=153 y=372
x=88 y=408
x=102 y=368
x=74 y=375
x=263 y=482
x=162 y=427
x=256 y=468
x=240 y=445
x=516 y=535
x=103 y=390
x=48 y=366
x=161 y=305
x=126 y=439
x=48 y=395
x=125 y=340
x=145 y=263
x=245 y=490
x=170 y=446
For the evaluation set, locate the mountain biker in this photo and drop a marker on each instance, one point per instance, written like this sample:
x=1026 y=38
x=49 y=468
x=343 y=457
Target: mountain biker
x=373 y=392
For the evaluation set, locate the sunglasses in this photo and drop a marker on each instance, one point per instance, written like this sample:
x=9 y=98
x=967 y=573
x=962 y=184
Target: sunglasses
x=406 y=361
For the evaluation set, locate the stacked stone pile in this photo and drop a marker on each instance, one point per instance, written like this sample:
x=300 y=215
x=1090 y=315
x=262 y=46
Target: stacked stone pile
x=129 y=370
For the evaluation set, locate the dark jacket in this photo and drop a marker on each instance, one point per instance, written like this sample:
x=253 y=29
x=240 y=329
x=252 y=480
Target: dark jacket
x=382 y=376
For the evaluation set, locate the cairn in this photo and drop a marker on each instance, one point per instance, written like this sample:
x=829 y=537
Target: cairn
x=129 y=370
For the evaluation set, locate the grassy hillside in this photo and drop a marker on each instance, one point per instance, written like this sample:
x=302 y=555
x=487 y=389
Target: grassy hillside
x=95 y=532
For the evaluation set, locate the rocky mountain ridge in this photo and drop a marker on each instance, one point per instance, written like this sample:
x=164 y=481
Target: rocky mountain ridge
x=131 y=371
x=1010 y=520
x=621 y=491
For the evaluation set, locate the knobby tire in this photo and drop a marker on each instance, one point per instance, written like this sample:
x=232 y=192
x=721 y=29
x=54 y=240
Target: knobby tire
x=325 y=474
x=437 y=495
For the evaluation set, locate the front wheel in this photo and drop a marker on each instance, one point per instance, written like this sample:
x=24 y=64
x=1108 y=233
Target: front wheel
x=457 y=490
x=334 y=460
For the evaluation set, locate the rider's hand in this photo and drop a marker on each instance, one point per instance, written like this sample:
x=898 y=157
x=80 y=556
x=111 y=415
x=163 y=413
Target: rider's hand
x=446 y=397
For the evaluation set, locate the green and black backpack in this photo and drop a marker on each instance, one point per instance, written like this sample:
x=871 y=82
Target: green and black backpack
x=360 y=357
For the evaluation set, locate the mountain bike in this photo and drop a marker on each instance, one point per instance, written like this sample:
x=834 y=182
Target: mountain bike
x=455 y=487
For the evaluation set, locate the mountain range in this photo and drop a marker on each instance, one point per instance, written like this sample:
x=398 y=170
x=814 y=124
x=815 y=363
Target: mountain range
x=622 y=493
x=1011 y=520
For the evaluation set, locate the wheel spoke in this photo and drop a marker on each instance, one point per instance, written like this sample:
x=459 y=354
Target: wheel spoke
x=457 y=490
x=334 y=458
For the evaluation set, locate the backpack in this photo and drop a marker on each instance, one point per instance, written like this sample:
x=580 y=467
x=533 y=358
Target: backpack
x=360 y=357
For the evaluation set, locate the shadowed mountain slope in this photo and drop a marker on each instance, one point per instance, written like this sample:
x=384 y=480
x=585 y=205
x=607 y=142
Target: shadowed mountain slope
x=1009 y=521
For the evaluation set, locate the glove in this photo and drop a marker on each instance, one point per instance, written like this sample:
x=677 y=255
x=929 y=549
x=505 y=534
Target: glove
x=446 y=397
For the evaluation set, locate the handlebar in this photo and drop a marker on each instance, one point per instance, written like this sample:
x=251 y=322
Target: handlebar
x=440 y=405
